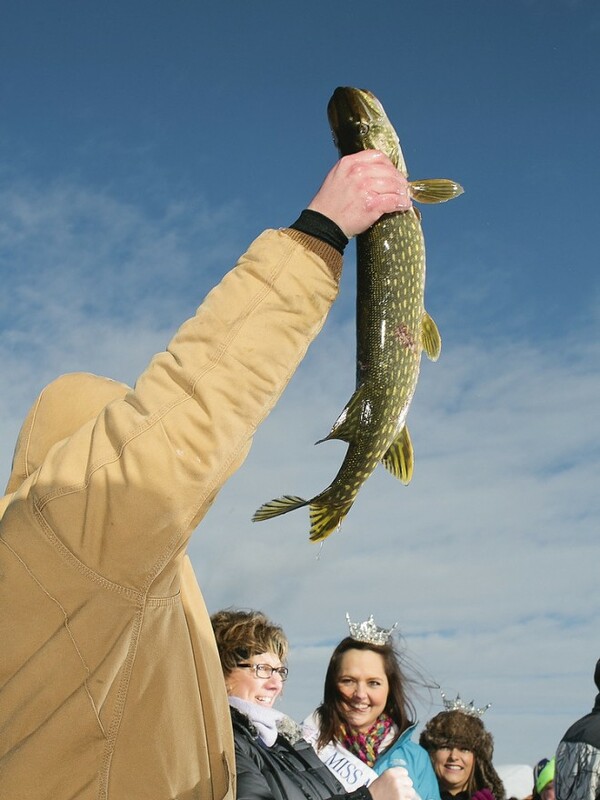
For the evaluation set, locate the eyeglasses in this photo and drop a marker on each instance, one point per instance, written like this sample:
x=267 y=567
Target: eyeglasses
x=266 y=670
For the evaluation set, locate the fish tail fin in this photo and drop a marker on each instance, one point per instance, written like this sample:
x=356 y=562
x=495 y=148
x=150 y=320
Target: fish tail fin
x=432 y=341
x=399 y=458
x=325 y=519
x=434 y=190
x=274 y=508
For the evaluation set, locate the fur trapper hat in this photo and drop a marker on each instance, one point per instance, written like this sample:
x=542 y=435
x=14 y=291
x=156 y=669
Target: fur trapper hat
x=458 y=729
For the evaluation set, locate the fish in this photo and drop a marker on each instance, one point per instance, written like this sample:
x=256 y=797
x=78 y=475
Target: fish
x=392 y=326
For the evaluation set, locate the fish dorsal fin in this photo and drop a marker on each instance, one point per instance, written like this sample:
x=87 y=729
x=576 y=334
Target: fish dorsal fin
x=435 y=190
x=348 y=421
x=432 y=341
x=399 y=457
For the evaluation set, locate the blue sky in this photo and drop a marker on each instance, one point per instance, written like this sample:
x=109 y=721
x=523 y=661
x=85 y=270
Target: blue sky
x=144 y=144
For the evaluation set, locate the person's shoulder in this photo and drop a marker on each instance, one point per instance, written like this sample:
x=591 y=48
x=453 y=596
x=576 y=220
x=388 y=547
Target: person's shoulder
x=244 y=732
x=310 y=727
x=585 y=730
x=405 y=740
x=408 y=750
x=415 y=750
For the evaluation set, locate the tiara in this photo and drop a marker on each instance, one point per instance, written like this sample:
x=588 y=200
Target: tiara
x=458 y=705
x=369 y=632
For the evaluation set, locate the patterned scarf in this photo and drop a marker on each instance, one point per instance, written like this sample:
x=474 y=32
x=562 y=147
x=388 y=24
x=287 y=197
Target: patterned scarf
x=366 y=745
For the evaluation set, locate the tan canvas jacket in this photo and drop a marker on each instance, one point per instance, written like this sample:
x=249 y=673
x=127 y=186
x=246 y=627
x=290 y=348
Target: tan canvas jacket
x=110 y=685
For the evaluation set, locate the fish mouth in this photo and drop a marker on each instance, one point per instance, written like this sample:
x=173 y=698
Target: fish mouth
x=358 y=122
x=350 y=114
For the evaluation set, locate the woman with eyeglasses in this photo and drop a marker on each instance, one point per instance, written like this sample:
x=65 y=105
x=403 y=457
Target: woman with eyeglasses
x=273 y=761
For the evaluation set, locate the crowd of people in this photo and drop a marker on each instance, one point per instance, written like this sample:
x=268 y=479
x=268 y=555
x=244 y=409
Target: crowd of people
x=111 y=684
x=360 y=736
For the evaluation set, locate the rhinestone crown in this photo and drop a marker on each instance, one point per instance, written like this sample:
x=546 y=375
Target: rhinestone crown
x=458 y=705
x=369 y=632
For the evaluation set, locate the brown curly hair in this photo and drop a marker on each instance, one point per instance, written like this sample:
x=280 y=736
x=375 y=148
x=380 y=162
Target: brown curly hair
x=457 y=729
x=398 y=706
x=243 y=634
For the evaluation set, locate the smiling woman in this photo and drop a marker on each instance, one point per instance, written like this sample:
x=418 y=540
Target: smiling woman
x=454 y=767
x=461 y=752
x=364 y=725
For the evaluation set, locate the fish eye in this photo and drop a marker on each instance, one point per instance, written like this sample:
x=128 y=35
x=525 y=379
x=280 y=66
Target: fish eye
x=362 y=128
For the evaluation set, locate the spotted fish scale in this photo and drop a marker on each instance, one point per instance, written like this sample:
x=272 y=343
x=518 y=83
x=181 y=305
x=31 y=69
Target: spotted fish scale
x=392 y=326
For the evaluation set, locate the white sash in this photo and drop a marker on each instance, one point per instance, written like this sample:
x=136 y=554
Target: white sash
x=350 y=771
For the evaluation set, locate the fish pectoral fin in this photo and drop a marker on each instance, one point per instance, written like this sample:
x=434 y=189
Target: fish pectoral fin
x=399 y=457
x=430 y=337
x=348 y=422
x=434 y=190
x=275 y=508
x=325 y=519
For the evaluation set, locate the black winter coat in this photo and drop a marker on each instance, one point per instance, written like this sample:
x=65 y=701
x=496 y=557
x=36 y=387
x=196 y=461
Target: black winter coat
x=283 y=771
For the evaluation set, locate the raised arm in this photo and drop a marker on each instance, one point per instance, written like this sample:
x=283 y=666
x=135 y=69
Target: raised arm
x=125 y=492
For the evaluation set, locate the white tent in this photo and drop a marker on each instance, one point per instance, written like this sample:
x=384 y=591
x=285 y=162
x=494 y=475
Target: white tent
x=517 y=780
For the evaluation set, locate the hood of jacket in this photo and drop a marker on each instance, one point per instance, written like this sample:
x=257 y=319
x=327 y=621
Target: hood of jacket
x=597 y=682
x=61 y=408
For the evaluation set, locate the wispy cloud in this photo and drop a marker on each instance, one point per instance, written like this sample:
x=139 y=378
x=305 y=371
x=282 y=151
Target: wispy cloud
x=96 y=283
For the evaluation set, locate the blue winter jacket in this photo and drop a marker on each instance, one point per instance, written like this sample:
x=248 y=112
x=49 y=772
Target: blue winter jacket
x=406 y=753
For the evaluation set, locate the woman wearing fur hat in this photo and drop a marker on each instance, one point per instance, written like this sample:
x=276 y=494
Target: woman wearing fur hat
x=461 y=752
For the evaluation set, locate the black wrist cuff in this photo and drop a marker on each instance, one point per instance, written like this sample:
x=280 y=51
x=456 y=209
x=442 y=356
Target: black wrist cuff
x=321 y=227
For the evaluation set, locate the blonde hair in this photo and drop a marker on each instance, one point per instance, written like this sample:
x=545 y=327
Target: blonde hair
x=243 y=634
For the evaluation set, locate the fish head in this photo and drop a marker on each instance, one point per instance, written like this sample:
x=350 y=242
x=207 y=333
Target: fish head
x=358 y=122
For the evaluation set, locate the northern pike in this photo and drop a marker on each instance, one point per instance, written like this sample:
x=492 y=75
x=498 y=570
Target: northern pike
x=392 y=326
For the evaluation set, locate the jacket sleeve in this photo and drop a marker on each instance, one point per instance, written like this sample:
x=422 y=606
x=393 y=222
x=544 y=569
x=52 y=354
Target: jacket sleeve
x=425 y=781
x=415 y=759
x=577 y=774
x=275 y=774
x=125 y=492
x=252 y=784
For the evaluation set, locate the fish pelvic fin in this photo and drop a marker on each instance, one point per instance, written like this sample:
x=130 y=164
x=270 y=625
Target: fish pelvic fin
x=274 y=508
x=434 y=190
x=325 y=519
x=348 y=422
x=431 y=339
x=399 y=458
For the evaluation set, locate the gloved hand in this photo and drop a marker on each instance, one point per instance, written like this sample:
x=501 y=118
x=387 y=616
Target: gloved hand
x=393 y=784
x=483 y=794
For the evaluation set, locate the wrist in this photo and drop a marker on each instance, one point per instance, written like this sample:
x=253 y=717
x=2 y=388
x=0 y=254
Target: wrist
x=321 y=227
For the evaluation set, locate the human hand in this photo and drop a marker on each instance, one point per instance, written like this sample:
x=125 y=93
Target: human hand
x=393 y=784
x=483 y=794
x=359 y=189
